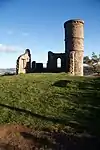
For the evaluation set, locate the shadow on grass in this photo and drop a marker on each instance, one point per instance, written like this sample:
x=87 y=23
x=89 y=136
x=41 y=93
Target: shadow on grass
x=85 y=84
x=94 y=85
x=54 y=120
x=45 y=118
x=62 y=141
x=85 y=103
x=8 y=74
x=80 y=121
x=40 y=141
x=61 y=83
x=55 y=141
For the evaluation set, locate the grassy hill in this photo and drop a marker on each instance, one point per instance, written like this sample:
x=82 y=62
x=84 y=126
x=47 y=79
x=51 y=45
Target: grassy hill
x=51 y=102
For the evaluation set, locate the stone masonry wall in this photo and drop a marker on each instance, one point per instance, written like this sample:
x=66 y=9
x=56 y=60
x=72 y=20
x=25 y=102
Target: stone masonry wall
x=74 y=44
x=78 y=60
x=23 y=63
x=71 y=67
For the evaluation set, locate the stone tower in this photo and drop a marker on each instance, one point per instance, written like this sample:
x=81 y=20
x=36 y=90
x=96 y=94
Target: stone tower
x=74 y=46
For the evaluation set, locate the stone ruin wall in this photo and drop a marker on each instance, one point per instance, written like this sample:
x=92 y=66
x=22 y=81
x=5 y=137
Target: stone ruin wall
x=24 y=63
x=72 y=59
x=74 y=46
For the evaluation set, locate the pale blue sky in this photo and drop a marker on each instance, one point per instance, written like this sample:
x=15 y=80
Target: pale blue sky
x=38 y=25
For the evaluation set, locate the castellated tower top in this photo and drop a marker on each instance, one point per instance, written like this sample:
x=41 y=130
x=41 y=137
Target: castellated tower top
x=73 y=21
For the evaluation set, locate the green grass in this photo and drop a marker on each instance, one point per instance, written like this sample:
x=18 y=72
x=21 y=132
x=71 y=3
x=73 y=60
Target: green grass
x=51 y=102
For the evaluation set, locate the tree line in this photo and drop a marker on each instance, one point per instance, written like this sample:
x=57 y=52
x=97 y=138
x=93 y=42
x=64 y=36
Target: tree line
x=93 y=61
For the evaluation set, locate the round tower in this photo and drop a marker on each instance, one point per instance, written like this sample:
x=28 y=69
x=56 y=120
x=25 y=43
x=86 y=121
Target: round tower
x=74 y=46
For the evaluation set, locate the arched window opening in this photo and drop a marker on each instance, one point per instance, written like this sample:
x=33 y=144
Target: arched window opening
x=59 y=63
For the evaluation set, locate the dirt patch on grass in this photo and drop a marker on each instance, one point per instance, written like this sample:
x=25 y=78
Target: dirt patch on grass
x=18 y=137
x=12 y=139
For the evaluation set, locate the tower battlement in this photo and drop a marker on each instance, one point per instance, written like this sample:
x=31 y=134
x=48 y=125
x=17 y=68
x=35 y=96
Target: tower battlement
x=74 y=21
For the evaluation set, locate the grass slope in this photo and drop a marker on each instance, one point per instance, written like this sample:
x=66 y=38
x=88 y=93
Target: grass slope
x=51 y=102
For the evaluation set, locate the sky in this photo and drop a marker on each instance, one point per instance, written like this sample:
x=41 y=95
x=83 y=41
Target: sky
x=39 y=26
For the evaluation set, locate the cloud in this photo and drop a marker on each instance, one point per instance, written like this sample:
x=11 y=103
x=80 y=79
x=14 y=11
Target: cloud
x=10 y=32
x=9 y=48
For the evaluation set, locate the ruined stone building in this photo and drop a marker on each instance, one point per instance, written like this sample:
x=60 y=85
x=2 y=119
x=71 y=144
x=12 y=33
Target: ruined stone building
x=24 y=63
x=71 y=59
